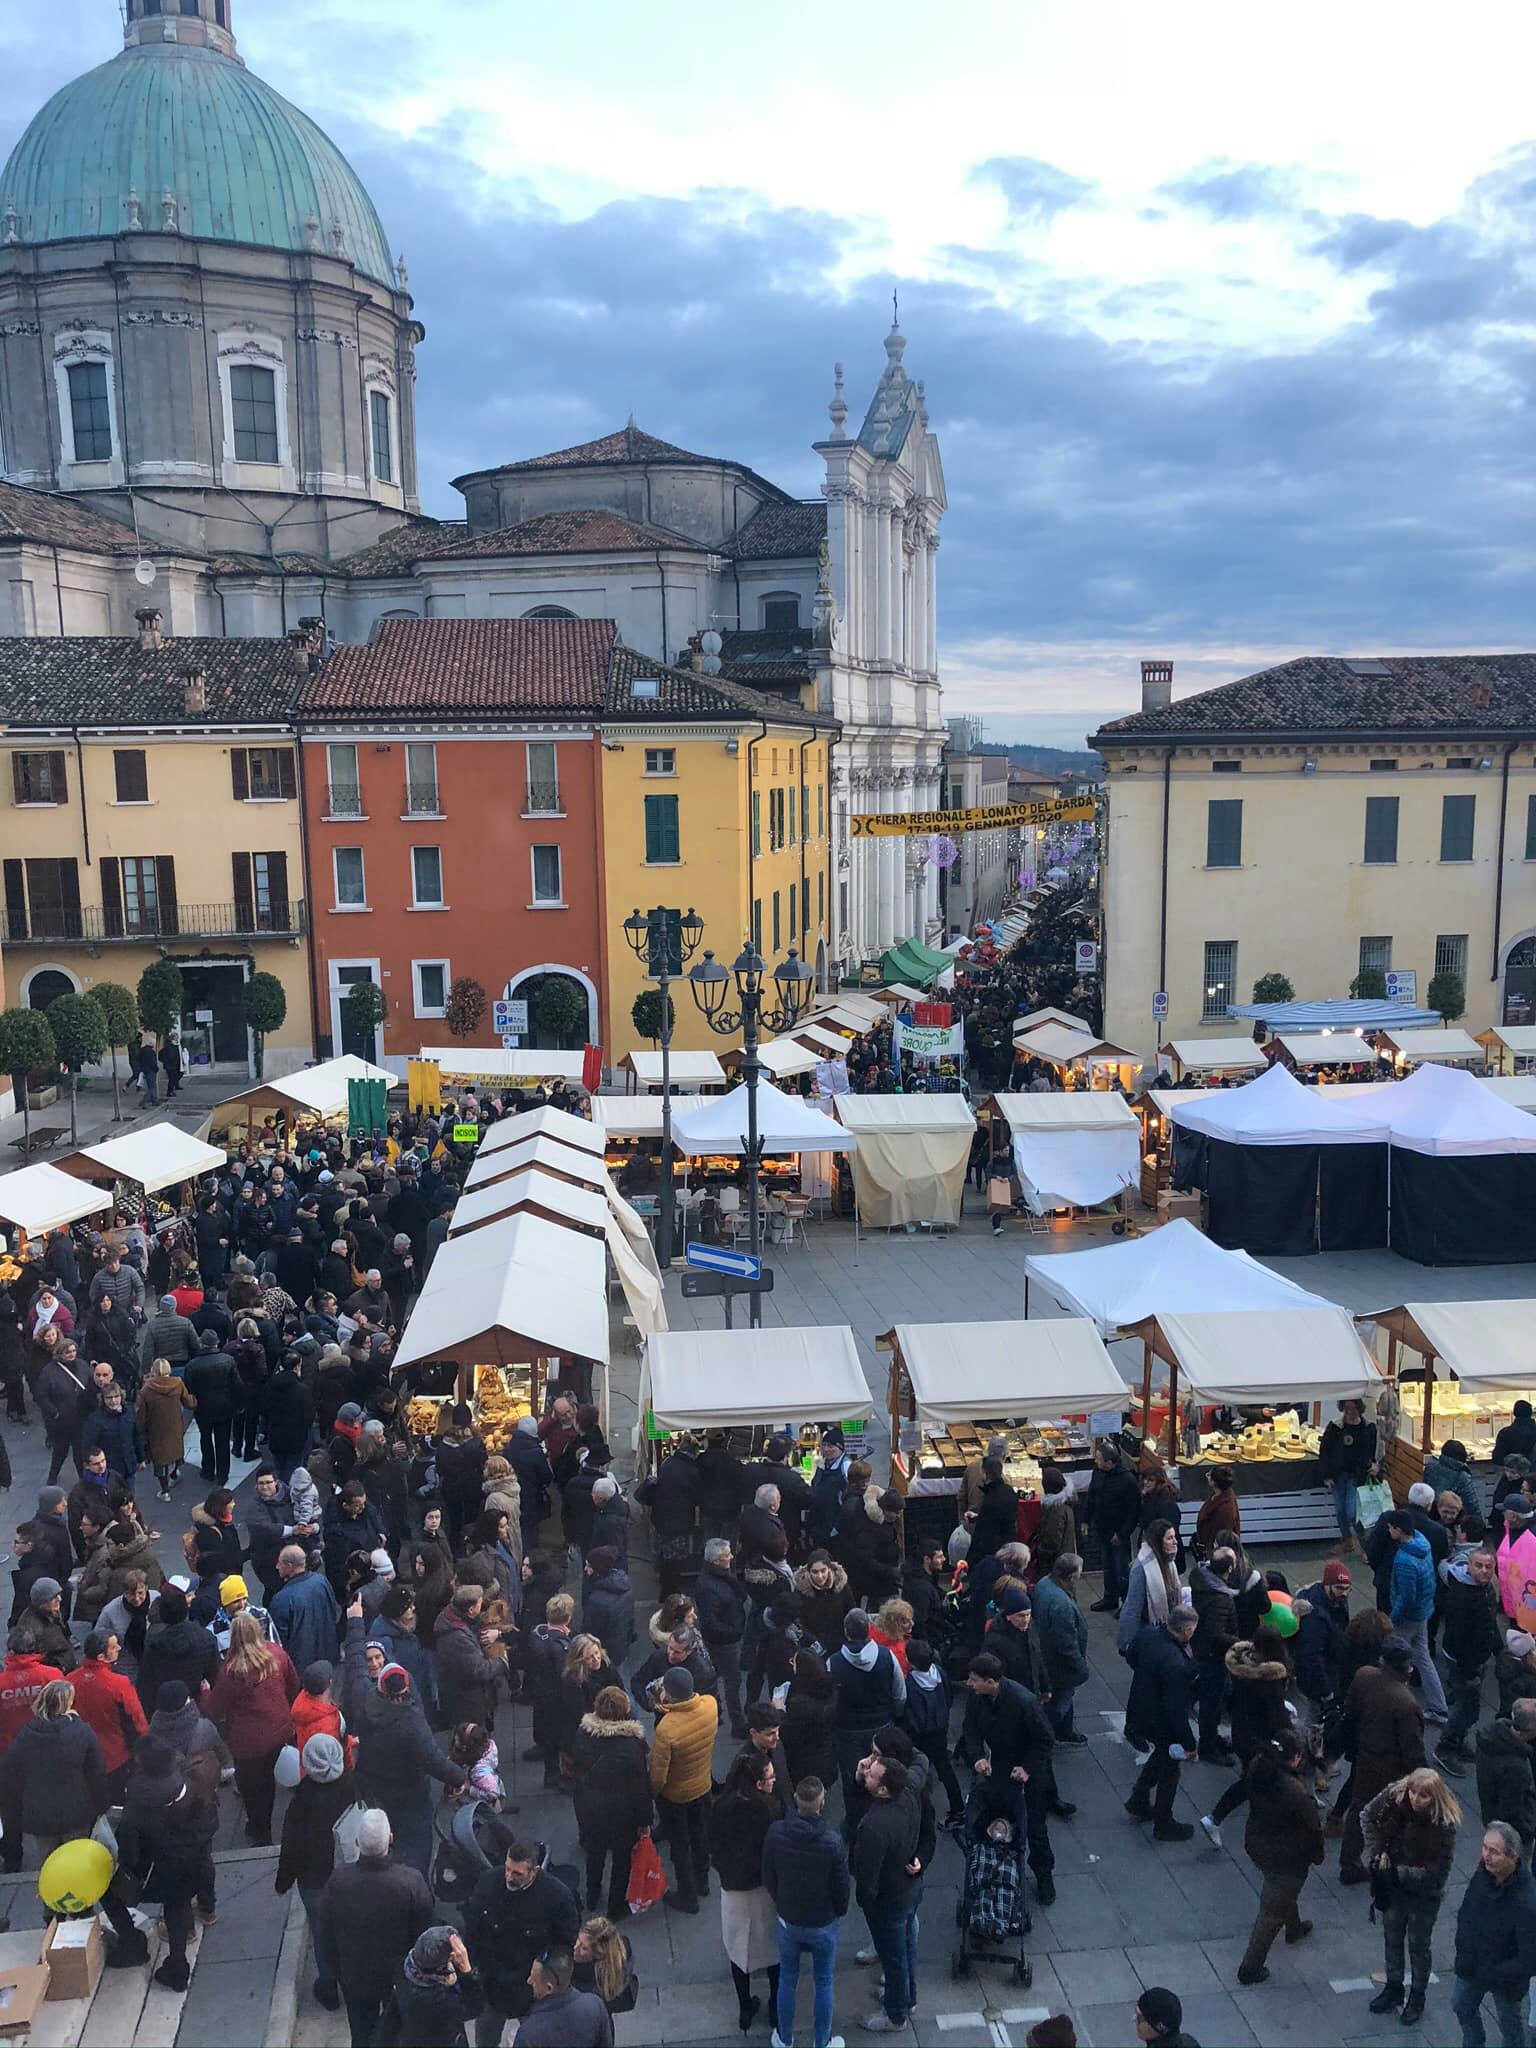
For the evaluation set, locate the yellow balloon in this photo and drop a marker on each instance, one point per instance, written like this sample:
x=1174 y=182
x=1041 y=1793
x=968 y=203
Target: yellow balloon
x=75 y=1876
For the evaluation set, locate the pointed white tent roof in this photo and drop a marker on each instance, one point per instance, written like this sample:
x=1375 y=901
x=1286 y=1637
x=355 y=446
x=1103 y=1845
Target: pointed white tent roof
x=547 y=1153
x=718 y=1123
x=1445 y=1110
x=1275 y=1109
x=543 y=1123
x=520 y=1288
x=543 y=1193
x=1170 y=1271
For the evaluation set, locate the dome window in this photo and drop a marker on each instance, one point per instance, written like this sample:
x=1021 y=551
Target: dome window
x=90 y=412
x=253 y=400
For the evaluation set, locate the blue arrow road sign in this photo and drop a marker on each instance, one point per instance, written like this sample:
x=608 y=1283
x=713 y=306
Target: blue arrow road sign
x=715 y=1258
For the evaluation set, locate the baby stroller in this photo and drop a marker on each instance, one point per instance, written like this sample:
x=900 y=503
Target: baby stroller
x=992 y=1911
x=466 y=1847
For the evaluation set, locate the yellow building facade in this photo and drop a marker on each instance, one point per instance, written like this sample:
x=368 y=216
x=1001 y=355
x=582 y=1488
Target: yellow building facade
x=149 y=807
x=728 y=816
x=1322 y=818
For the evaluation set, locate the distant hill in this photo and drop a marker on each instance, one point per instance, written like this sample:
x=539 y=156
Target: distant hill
x=1047 y=760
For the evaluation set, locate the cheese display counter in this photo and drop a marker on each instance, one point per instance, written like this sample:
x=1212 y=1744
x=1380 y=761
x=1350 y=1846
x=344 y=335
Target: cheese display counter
x=1470 y=1360
x=500 y=1396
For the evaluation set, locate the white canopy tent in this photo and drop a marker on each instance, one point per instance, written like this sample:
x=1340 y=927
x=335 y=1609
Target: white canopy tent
x=718 y=1124
x=545 y=1122
x=1172 y=1270
x=310 y=1091
x=498 y=1063
x=40 y=1198
x=1509 y=1041
x=1276 y=1109
x=1247 y=1357
x=731 y=1379
x=1326 y=1049
x=689 y=1070
x=868 y=1010
x=902 y=995
x=959 y=1371
x=1032 y=1022
x=1075 y=1149
x=1441 y=1111
x=160 y=1156
x=1215 y=1055
x=780 y=1058
x=1488 y=1345
x=911 y=1159
x=1518 y=1089
x=585 y=1168
x=833 y=1044
x=540 y=1193
x=630 y=1116
x=1447 y=1047
x=520 y=1289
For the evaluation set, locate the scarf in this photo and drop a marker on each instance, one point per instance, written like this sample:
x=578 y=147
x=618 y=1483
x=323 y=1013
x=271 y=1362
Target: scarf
x=1153 y=1571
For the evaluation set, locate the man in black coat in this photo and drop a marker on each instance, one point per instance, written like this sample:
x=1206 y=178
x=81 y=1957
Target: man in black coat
x=515 y=1913
x=1008 y=1738
x=723 y=1603
x=884 y=1850
x=1472 y=1633
x=289 y=1410
x=1496 y=1937
x=997 y=1518
x=684 y=1647
x=369 y=1915
x=349 y=1522
x=398 y=1760
x=673 y=1498
x=175 y=1646
x=1320 y=1634
x=774 y=1469
x=1113 y=1511
x=213 y=1380
x=1158 y=1713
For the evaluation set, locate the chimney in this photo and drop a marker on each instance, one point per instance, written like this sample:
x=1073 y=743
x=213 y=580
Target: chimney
x=194 y=686
x=309 y=645
x=1156 y=685
x=149 y=630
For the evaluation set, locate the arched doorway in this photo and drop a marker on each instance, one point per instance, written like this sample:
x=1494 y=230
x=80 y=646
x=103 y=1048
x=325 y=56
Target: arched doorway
x=1519 y=1001
x=562 y=1020
x=46 y=985
x=822 y=981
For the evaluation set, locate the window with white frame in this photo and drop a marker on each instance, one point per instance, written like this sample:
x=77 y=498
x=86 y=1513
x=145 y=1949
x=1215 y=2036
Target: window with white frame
x=344 y=794
x=351 y=890
x=421 y=791
x=432 y=981
x=1219 y=989
x=84 y=388
x=543 y=779
x=379 y=430
x=546 y=874
x=427 y=877
x=661 y=760
x=253 y=406
x=253 y=391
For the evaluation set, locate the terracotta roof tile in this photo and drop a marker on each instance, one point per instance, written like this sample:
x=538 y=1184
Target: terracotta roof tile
x=393 y=553
x=60 y=522
x=1406 y=693
x=779 y=532
x=578 y=532
x=629 y=444
x=115 y=682
x=468 y=666
x=766 y=656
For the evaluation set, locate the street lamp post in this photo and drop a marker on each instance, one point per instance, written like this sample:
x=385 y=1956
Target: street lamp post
x=658 y=937
x=711 y=984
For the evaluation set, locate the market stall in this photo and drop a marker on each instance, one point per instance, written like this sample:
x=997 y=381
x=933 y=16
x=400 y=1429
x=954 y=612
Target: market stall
x=690 y=1071
x=798 y=1138
x=1519 y=1089
x=1511 y=1048
x=1175 y=1268
x=1191 y=1056
x=545 y=1122
x=1462 y=1186
x=1074 y=1150
x=953 y=1386
x=1089 y=1061
x=1284 y=1168
x=505 y=1312
x=585 y=1169
x=758 y=1380
x=1445 y=1048
x=1032 y=1021
x=158 y=1157
x=533 y=1065
x=911 y=1158
x=781 y=1059
x=1162 y=1186
x=1304 y=1050
x=310 y=1095
x=1472 y=1360
x=821 y=1039
x=912 y=962
x=541 y=1194
x=39 y=1198
x=866 y=1010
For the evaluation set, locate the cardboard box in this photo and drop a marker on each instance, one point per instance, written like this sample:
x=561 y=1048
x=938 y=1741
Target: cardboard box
x=23 y=1988
x=76 y=1956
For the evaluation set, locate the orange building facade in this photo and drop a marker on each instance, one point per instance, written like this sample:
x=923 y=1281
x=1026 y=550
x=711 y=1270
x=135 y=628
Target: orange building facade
x=450 y=778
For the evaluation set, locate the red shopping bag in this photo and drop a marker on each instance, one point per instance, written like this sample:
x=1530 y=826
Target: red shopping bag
x=647 y=1884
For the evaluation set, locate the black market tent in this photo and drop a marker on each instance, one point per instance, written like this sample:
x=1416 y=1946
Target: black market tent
x=1462 y=1162
x=1286 y=1170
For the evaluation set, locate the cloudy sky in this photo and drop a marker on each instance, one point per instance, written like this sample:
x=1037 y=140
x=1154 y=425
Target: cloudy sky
x=1227 y=316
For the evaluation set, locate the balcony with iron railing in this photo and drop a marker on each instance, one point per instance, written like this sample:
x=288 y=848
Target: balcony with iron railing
x=543 y=800
x=423 y=798
x=343 y=800
x=51 y=925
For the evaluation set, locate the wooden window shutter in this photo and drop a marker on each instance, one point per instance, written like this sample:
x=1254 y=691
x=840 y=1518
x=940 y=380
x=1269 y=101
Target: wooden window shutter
x=239 y=770
x=58 y=783
x=15 y=898
x=277 y=884
x=19 y=791
x=69 y=894
x=112 y=897
x=287 y=781
x=245 y=898
x=165 y=888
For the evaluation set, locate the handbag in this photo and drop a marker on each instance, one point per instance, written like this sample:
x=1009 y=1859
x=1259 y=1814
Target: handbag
x=1373 y=1500
x=647 y=1881
x=999 y=1193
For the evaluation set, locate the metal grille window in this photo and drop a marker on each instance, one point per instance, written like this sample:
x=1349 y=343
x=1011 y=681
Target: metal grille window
x=546 y=874
x=1380 y=830
x=421 y=777
x=427 y=875
x=1219 y=990
x=1451 y=954
x=1376 y=952
x=1458 y=821
x=383 y=449
x=253 y=410
x=1224 y=833
x=543 y=777
x=90 y=412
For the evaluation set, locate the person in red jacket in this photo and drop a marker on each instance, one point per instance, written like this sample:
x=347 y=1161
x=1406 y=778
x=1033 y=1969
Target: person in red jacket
x=22 y=1677
x=109 y=1703
x=250 y=1704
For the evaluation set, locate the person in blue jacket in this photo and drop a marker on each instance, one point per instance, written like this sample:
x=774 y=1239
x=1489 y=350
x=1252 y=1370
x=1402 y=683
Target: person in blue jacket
x=1411 y=1601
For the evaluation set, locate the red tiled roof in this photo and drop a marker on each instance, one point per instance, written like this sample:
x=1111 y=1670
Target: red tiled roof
x=779 y=532
x=393 y=553
x=60 y=522
x=468 y=665
x=630 y=444
x=579 y=532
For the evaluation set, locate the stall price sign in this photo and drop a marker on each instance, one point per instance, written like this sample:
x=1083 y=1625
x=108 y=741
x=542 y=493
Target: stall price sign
x=466 y=1134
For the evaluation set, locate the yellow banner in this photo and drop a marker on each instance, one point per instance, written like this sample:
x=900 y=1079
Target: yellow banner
x=898 y=824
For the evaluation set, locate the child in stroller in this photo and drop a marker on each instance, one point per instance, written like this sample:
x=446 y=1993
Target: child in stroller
x=992 y=1908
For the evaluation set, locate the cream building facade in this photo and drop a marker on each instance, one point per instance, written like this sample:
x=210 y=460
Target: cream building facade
x=1315 y=819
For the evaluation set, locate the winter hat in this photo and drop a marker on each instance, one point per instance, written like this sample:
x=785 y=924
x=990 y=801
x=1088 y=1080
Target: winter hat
x=1015 y=1601
x=677 y=1682
x=50 y=1499
x=326 y=1176
x=171 y=1696
x=317 y=1676
x=433 y=1953
x=157 y=1778
x=168 y=1303
x=1518 y=1643
x=233 y=1588
x=172 y=1604
x=1162 y=2009
x=1055 y=2031
x=349 y=1411
x=323 y=1759
x=394 y=1682
x=603 y=1558
x=44 y=1590
x=1336 y=1574
x=383 y=1564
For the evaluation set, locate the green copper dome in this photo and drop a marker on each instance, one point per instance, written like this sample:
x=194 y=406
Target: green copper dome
x=169 y=122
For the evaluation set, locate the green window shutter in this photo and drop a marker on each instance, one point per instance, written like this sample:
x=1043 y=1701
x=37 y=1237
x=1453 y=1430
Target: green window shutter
x=661 y=834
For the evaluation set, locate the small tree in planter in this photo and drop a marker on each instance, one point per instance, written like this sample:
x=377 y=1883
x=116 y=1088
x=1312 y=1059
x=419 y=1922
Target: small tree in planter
x=1448 y=995
x=120 y=1014
x=465 y=1008
x=80 y=1034
x=1273 y=988
x=649 y=1018
x=558 y=1007
x=265 y=1003
x=26 y=1043
x=363 y=1009
x=160 y=997
x=1369 y=986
